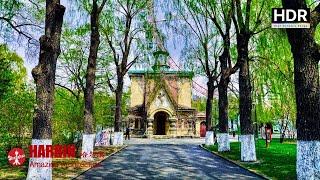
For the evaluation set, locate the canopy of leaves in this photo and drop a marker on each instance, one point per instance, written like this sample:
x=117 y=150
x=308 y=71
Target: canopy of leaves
x=273 y=77
x=12 y=71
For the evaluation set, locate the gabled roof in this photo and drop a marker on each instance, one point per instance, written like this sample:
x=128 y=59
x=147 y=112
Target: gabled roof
x=158 y=86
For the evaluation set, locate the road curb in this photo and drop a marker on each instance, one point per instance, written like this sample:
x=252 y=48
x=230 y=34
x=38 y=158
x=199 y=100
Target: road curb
x=234 y=162
x=102 y=160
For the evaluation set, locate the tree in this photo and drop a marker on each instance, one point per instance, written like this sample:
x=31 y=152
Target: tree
x=73 y=60
x=221 y=15
x=88 y=136
x=12 y=72
x=44 y=76
x=305 y=51
x=247 y=24
x=16 y=102
x=272 y=79
x=19 y=23
x=217 y=17
x=196 y=26
x=124 y=27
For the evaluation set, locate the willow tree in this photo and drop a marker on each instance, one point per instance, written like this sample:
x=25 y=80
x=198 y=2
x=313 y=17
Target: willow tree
x=44 y=77
x=305 y=51
x=122 y=31
x=202 y=46
x=248 y=21
x=273 y=82
x=221 y=14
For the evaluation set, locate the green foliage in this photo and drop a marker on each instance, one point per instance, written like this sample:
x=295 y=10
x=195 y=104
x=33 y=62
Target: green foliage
x=233 y=107
x=16 y=113
x=105 y=108
x=16 y=102
x=9 y=7
x=12 y=71
x=200 y=106
x=68 y=114
x=67 y=117
x=273 y=77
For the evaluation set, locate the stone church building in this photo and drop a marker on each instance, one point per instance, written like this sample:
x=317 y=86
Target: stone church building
x=160 y=103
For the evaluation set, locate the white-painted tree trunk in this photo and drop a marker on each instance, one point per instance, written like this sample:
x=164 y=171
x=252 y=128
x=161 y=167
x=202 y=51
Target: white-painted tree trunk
x=87 y=147
x=248 y=148
x=223 y=142
x=308 y=160
x=118 y=139
x=102 y=138
x=209 y=138
x=40 y=168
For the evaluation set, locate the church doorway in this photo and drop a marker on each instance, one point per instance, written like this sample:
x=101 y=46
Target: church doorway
x=160 y=123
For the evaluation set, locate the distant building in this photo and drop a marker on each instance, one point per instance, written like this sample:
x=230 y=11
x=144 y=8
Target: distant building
x=161 y=103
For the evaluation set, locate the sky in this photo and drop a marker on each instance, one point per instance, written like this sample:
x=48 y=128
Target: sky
x=72 y=19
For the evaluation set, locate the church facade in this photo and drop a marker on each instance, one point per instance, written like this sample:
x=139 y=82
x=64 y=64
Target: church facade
x=160 y=103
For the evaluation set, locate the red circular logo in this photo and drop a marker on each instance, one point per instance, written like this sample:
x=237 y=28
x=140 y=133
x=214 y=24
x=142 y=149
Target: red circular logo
x=16 y=157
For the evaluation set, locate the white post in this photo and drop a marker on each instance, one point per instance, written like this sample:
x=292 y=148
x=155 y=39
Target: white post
x=40 y=167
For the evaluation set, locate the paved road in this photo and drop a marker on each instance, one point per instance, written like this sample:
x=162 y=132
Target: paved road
x=163 y=161
x=197 y=141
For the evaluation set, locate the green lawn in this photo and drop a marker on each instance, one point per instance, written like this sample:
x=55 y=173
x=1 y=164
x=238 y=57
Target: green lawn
x=278 y=161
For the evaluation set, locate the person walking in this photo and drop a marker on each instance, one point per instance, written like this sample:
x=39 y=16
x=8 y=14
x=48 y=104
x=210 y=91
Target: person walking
x=127 y=134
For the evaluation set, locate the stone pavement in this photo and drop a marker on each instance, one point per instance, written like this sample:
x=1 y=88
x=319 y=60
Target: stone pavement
x=160 y=160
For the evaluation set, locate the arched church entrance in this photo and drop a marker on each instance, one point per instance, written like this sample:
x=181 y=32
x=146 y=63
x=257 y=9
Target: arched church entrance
x=161 y=123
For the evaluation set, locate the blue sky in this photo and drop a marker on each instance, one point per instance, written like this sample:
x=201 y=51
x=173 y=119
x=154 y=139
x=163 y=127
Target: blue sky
x=73 y=18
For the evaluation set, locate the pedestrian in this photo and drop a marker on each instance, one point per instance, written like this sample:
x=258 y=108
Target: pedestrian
x=111 y=140
x=127 y=134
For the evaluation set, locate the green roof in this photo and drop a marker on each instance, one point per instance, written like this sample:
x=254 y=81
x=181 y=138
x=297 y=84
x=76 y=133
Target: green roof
x=145 y=72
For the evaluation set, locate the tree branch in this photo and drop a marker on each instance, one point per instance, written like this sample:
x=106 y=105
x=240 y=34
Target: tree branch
x=68 y=89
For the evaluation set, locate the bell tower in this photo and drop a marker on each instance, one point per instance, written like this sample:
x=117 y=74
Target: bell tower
x=160 y=63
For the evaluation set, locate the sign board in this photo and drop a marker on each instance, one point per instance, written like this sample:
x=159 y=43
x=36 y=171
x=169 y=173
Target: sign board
x=290 y=18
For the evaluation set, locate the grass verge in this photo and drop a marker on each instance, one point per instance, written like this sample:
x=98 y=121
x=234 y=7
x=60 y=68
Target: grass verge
x=278 y=161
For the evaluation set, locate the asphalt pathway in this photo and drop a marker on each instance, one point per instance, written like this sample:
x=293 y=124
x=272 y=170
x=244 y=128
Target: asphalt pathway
x=166 y=161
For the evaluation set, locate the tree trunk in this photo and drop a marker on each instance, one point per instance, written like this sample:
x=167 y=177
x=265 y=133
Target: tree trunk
x=223 y=91
x=307 y=89
x=306 y=79
x=248 y=150
x=245 y=101
x=91 y=70
x=118 y=135
x=44 y=77
x=117 y=115
x=209 y=140
x=88 y=136
x=223 y=136
x=44 y=72
x=283 y=131
x=210 y=85
x=223 y=106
